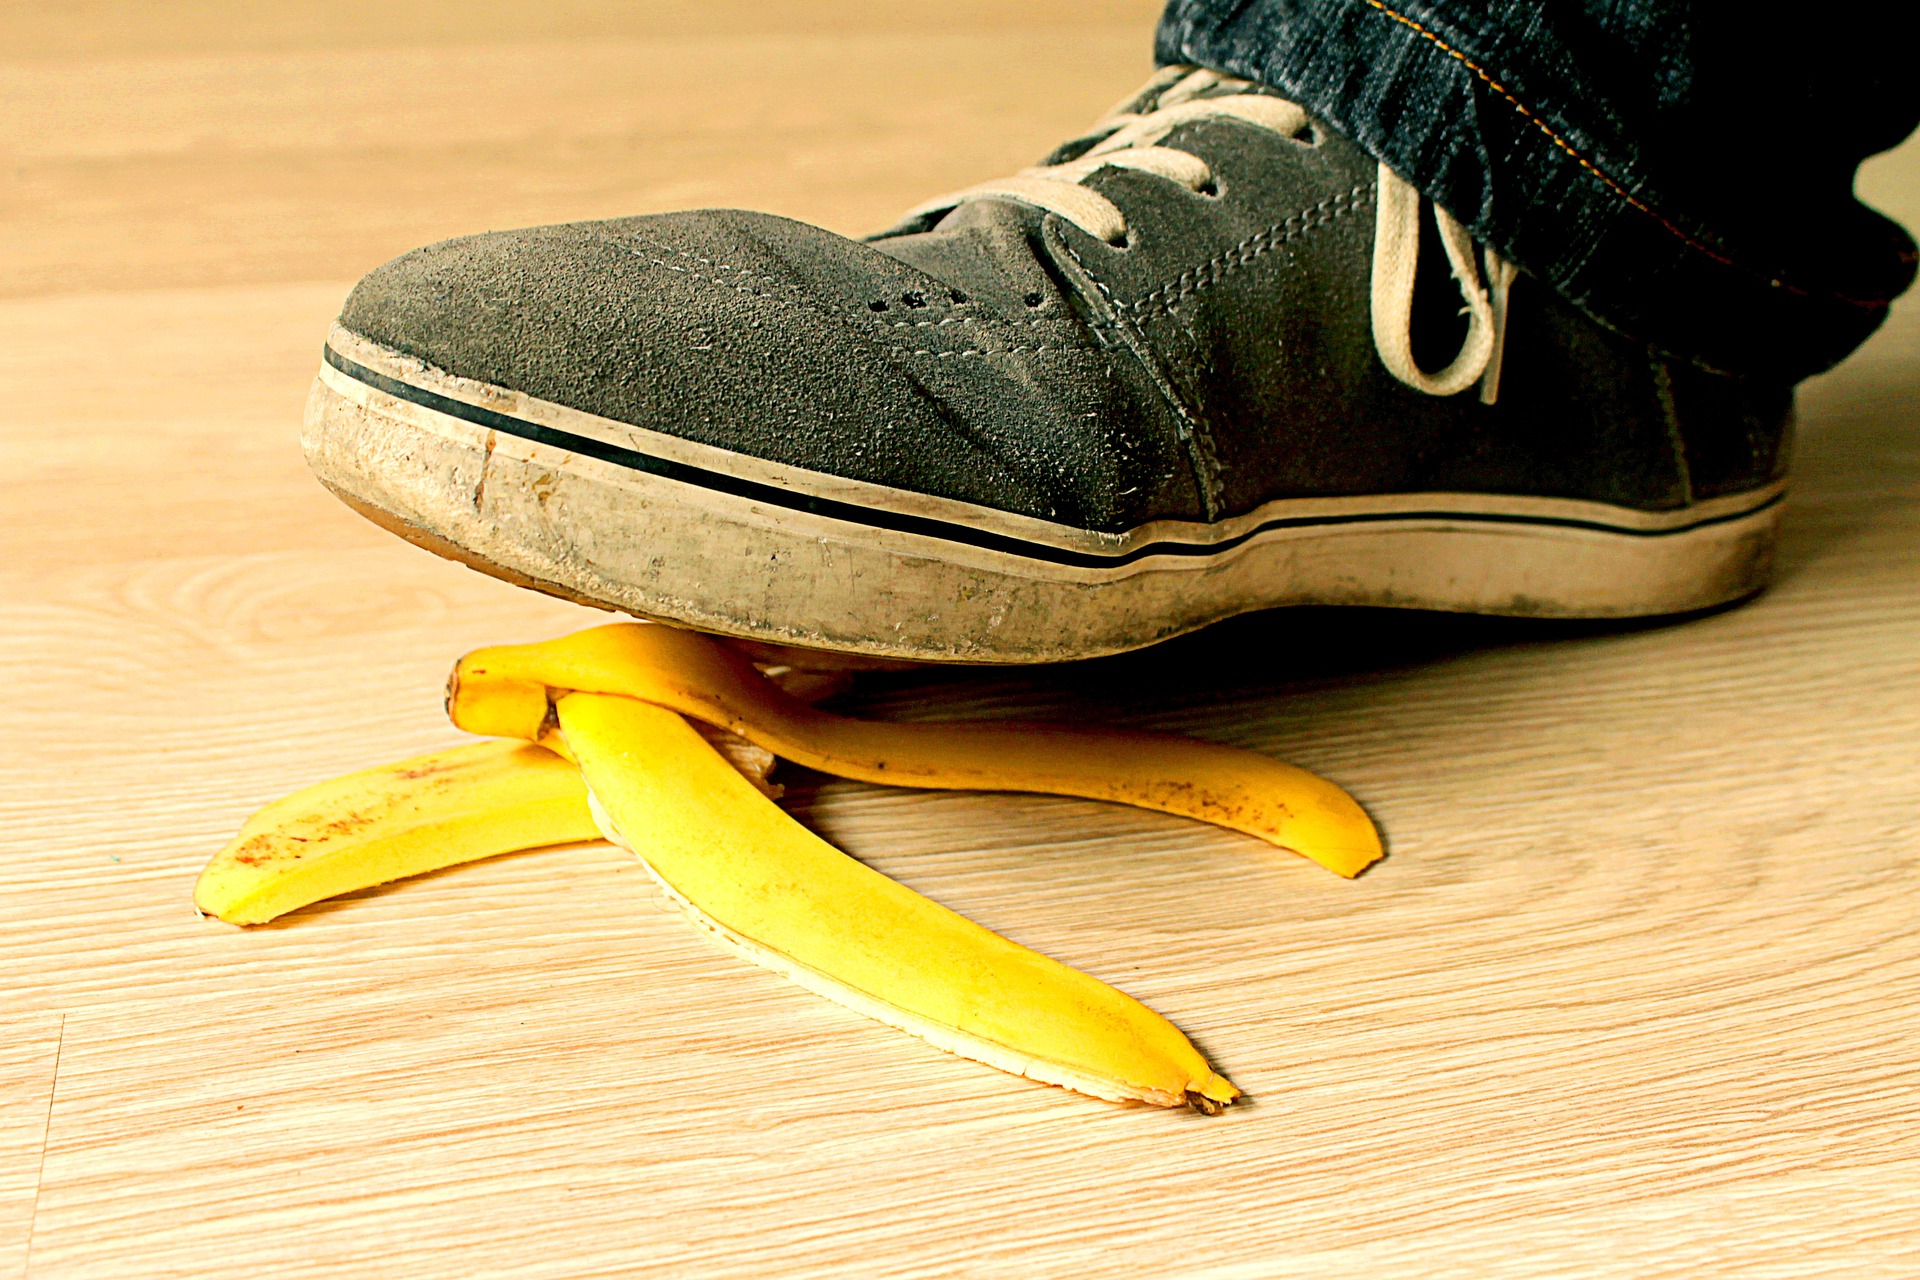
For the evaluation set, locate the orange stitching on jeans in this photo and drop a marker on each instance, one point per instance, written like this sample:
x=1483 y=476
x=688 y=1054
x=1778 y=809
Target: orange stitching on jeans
x=1612 y=183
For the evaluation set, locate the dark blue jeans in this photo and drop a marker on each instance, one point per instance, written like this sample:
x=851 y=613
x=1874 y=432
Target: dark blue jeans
x=1682 y=170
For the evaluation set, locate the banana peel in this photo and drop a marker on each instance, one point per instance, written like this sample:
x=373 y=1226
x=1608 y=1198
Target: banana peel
x=780 y=896
x=398 y=820
x=659 y=740
x=506 y=691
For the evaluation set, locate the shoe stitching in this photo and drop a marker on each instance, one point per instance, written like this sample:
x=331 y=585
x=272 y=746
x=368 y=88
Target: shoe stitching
x=855 y=318
x=646 y=255
x=1247 y=251
x=982 y=351
x=989 y=321
x=1609 y=181
x=743 y=273
x=737 y=285
x=1206 y=466
x=1676 y=434
x=797 y=304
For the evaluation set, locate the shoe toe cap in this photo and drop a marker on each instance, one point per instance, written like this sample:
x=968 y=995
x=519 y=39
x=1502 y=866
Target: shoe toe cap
x=633 y=319
x=737 y=330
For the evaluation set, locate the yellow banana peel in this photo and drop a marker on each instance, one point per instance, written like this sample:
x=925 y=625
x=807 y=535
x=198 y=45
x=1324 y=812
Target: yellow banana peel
x=506 y=691
x=398 y=820
x=780 y=896
x=660 y=740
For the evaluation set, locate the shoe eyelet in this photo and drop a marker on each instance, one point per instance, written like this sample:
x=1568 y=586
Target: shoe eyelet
x=1124 y=243
x=1210 y=189
x=1033 y=300
x=1307 y=135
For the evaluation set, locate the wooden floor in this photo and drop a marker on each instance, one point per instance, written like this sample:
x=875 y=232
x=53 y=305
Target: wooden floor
x=1637 y=993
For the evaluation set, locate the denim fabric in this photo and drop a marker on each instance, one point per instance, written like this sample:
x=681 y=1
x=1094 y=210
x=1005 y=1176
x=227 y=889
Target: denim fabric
x=1681 y=170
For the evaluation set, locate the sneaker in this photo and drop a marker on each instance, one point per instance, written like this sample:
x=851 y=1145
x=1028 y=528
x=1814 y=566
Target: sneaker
x=1208 y=358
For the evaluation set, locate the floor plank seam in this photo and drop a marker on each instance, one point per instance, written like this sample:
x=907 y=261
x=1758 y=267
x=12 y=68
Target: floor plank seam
x=46 y=1134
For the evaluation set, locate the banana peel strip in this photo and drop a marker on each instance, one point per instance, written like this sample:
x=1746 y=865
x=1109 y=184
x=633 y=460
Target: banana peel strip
x=398 y=820
x=507 y=691
x=780 y=896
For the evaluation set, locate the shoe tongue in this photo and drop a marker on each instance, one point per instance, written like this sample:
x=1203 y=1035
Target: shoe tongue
x=971 y=247
x=1144 y=104
x=1232 y=89
x=933 y=250
x=1163 y=91
x=986 y=212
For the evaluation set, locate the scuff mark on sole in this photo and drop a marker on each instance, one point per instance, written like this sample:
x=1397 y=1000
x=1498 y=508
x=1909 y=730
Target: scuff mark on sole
x=486 y=462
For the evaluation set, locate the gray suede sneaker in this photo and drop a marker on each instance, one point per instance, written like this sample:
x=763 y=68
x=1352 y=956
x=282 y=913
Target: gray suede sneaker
x=1185 y=369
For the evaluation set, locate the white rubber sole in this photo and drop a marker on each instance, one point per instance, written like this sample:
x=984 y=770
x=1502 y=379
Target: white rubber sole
x=659 y=527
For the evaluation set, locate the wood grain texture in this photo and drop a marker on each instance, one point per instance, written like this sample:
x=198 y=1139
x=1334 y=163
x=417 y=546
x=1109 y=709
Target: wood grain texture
x=305 y=141
x=29 y=1059
x=1636 y=993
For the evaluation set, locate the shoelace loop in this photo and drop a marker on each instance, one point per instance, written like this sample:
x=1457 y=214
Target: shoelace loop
x=1129 y=139
x=1396 y=262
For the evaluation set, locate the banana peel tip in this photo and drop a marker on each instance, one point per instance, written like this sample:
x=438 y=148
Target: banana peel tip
x=1213 y=1095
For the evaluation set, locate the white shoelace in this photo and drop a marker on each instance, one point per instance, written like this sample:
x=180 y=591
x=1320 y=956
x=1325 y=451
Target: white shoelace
x=1132 y=142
